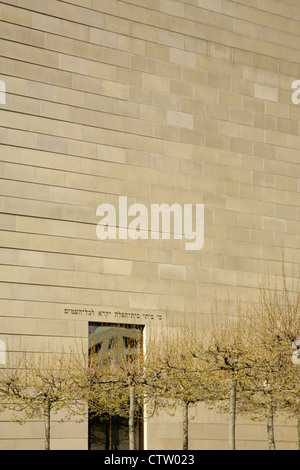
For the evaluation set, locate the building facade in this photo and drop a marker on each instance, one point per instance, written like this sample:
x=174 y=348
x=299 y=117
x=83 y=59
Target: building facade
x=110 y=111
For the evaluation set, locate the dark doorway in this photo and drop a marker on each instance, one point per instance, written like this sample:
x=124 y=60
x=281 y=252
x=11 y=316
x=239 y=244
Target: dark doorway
x=112 y=432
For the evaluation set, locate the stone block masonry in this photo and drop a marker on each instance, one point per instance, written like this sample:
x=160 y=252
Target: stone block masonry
x=180 y=102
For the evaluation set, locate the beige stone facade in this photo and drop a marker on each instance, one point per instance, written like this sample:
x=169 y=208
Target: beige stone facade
x=162 y=101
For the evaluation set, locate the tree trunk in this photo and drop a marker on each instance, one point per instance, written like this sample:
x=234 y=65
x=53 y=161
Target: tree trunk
x=47 y=424
x=270 y=426
x=232 y=415
x=131 y=417
x=185 y=424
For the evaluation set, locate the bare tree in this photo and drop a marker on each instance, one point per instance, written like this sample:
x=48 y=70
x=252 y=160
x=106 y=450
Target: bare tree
x=37 y=384
x=275 y=325
x=229 y=355
x=179 y=378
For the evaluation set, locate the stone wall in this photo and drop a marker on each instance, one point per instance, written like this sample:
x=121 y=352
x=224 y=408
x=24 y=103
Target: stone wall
x=161 y=101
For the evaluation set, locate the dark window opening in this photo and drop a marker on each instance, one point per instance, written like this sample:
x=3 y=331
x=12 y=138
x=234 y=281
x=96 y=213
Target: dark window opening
x=108 y=432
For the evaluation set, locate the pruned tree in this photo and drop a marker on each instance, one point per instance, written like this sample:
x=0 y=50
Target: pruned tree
x=180 y=378
x=275 y=328
x=37 y=384
x=229 y=355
